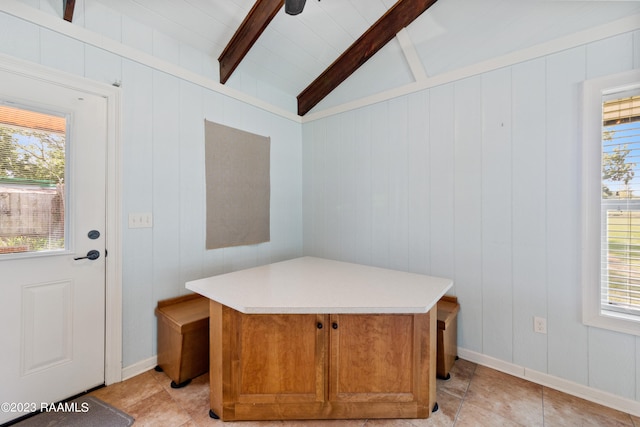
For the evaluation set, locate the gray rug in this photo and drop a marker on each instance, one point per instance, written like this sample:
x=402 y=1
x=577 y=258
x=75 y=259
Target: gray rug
x=85 y=411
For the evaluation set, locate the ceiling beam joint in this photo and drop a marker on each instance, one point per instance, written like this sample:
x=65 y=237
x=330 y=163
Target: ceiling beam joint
x=375 y=38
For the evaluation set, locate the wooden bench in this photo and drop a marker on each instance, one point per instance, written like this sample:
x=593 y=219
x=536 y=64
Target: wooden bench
x=447 y=346
x=183 y=338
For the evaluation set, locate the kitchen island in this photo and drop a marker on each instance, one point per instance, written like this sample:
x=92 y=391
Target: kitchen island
x=312 y=338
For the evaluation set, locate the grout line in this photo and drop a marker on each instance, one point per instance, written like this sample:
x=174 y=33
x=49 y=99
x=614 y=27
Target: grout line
x=464 y=396
x=542 y=399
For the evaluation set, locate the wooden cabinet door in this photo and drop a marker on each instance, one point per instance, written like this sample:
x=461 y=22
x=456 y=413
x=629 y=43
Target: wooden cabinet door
x=281 y=358
x=290 y=366
x=377 y=358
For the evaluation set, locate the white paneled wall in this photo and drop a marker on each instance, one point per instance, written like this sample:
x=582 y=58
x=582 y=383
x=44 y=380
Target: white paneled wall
x=496 y=231
x=529 y=227
x=467 y=206
x=162 y=160
x=478 y=180
x=567 y=352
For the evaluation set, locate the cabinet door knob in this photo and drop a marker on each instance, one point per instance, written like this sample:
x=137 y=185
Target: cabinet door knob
x=319 y=325
x=334 y=325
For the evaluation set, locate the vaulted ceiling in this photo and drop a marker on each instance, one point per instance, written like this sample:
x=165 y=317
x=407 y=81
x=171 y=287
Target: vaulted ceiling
x=293 y=52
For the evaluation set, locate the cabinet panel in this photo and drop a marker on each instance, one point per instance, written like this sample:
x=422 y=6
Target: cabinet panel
x=280 y=358
x=373 y=358
x=284 y=366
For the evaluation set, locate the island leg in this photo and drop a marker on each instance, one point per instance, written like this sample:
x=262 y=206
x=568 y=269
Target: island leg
x=433 y=341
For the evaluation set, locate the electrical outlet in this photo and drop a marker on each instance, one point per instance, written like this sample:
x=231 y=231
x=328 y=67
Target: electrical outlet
x=140 y=220
x=540 y=325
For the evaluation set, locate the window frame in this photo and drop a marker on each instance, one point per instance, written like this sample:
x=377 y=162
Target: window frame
x=591 y=150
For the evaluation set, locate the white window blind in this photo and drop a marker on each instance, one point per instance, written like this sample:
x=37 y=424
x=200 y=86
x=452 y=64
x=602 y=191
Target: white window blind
x=620 y=218
x=32 y=185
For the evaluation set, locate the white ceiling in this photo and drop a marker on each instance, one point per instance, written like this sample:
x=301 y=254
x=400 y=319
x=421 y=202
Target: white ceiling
x=294 y=50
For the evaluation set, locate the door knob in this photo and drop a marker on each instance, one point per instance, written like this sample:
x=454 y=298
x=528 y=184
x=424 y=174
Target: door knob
x=92 y=254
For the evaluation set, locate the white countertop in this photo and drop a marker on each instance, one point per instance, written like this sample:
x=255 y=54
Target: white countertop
x=315 y=285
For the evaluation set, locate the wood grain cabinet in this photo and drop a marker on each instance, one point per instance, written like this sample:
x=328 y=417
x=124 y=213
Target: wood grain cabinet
x=321 y=366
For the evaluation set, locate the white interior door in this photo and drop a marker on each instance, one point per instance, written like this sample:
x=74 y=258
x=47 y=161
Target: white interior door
x=52 y=305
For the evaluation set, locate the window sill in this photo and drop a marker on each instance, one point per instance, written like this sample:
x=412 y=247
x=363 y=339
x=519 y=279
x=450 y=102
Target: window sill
x=619 y=322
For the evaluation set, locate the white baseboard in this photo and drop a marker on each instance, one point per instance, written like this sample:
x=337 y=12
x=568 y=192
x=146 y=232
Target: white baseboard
x=579 y=390
x=138 y=368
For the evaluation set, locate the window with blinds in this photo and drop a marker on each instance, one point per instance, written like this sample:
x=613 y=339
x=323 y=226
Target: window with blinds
x=620 y=219
x=32 y=181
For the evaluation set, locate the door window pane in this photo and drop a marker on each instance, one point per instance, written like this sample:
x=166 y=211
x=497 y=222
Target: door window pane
x=32 y=181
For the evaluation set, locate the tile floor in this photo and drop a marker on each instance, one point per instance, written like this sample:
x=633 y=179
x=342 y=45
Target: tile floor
x=474 y=396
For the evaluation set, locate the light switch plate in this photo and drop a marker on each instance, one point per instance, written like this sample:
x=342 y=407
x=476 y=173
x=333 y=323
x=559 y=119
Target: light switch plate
x=141 y=220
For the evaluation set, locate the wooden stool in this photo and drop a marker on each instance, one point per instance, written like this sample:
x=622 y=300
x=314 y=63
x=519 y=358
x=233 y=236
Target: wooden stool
x=447 y=347
x=183 y=338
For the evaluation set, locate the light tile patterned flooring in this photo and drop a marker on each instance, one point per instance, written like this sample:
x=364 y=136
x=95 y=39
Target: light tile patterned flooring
x=474 y=396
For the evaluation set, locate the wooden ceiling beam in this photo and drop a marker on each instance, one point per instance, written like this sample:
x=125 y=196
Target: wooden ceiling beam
x=69 y=5
x=246 y=35
x=379 y=34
